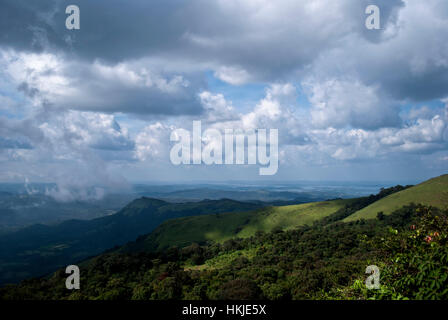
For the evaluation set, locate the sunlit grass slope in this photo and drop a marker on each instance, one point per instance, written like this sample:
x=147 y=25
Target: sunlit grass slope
x=221 y=227
x=433 y=192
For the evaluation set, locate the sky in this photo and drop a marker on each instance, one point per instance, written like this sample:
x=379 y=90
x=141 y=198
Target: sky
x=97 y=106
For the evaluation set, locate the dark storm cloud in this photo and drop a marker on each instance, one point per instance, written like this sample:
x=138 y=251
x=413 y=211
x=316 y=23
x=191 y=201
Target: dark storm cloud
x=256 y=40
x=112 y=30
x=18 y=19
x=432 y=84
x=245 y=34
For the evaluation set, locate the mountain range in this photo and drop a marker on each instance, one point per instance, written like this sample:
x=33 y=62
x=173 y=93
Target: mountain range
x=153 y=226
x=39 y=249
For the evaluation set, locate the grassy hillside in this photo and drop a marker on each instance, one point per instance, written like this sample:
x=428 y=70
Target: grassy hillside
x=221 y=227
x=433 y=192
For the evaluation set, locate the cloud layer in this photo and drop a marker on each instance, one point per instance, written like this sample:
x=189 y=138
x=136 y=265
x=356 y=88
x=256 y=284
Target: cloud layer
x=103 y=100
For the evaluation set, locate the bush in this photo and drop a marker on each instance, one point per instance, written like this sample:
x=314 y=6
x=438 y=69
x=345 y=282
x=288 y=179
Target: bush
x=240 y=289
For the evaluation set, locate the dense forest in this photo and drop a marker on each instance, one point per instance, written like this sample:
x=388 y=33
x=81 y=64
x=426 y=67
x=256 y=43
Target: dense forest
x=326 y=260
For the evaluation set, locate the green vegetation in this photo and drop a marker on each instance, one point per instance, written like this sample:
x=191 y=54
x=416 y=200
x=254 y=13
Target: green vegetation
x=310 y=262
x=47 y=248
x=290 y=217
x=305 y=251
x=414 y=261
x=433 y=192
x=221 y=227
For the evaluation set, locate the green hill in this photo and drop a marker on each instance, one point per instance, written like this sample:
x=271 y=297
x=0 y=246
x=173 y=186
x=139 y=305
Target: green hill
x=40 y=249
x=433 y=192
x=220 y=227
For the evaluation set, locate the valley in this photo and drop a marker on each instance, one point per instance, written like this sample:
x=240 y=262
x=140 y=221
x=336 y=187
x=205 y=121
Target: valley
x=226 y=249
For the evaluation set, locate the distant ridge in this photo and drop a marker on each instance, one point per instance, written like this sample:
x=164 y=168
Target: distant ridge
x=48 y=248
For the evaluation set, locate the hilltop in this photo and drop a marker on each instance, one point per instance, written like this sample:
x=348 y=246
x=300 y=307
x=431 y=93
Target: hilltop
x=221 y=227
x=433 y=192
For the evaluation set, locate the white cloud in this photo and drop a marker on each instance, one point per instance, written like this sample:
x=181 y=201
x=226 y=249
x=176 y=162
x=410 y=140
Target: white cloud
x=129 y=87
x=274 y=110
x=66 y=147
x=85 y=130
x=152 y=142
x=232 y=75
x=340 y=103
x=217 y=108
x=425 y=136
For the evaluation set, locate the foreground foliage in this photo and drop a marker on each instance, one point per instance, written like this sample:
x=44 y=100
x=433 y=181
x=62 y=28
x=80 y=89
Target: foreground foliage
x=415 y=260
